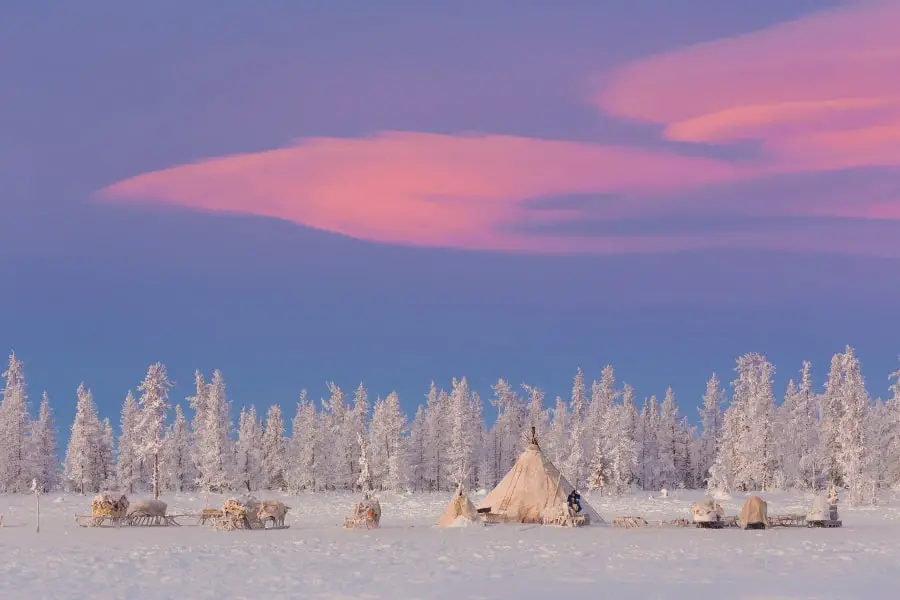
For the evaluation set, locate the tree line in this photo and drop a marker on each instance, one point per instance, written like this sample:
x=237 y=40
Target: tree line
x=601 y=438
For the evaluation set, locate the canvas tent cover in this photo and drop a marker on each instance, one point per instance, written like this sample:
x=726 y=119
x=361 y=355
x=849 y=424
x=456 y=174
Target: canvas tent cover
x=754 y=511
x=533 y=488
x=459 y=506
x=706 y=511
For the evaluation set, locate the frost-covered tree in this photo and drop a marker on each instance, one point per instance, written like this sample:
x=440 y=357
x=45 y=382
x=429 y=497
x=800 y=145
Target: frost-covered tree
x=667 y=441
x=273 y=450
x=248 y=454
x=556 y=441
x=711 y=420
x=746 y=459
x=647 y=444
x=415 y=453
x=506 y=435
x=106 y=455
x=341 y=458
x=82 y=468
x=538 y=416
x=804 y=430
x=179 y=471
x=437 y=438
x=364 y=481
x=856 y=460
x=890 y=433
x=14 y=423
x=832 y=416
x=211 y=429
x=43 y=457
x=154 y=403
x=574 y=464
x=461 y=445
x=357 y=423
x=386 y=443
x=128 y=464
x=303 y=458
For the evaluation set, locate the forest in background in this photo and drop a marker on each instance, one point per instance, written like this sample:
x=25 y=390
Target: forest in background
x=601 y=437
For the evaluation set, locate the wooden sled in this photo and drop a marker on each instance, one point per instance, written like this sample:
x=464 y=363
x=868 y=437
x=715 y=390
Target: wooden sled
x=207 y=515
x=629 y=522
x=787 y=521
x=824 y=523
x=101 y=520
x=146 y=520
x=565 y=520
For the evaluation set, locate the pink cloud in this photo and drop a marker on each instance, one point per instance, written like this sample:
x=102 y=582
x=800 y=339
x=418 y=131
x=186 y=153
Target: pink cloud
x=427 y=189
x=819 y=93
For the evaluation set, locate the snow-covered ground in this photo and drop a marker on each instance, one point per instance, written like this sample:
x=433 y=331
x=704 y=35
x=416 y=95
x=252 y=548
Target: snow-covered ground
x=409 y=558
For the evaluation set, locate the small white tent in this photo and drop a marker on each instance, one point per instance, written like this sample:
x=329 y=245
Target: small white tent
x=460 y=508
x=532 y=490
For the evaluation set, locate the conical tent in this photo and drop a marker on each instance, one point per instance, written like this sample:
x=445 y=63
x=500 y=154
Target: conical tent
x=754 y=512
x=534 y=488
x=459 y=506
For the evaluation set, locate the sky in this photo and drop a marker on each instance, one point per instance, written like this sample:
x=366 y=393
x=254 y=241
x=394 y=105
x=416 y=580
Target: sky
x=400 y=192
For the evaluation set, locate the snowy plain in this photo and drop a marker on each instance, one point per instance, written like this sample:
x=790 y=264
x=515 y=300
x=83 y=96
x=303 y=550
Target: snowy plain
x=410 y=558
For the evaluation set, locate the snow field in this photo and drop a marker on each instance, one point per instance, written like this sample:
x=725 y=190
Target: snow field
x=409 y=558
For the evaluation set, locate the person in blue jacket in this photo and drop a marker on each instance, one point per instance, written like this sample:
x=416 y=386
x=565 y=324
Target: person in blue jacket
x=574 y=501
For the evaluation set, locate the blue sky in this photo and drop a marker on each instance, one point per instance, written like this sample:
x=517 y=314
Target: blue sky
x=95 y=291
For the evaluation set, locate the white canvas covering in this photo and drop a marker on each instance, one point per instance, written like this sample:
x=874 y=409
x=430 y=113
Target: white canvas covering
x=459 y=507
x=533 y=488
x=706 y=512
x=754 y=511
x=822 y=510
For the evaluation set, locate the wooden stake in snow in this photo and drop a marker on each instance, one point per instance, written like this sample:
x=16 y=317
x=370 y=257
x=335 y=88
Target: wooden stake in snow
x=36 y=490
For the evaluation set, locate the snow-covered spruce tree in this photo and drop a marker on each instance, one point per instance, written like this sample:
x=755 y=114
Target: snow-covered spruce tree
x=667 y=441
x=106 y=456
x=43 y=458
x=538 y=417
x=711 y=421
x=574 y=465
x=340 y=456
x=507 y=431
x=461 y=446
x=303 y=459
x=212 y=451
x=82 y=471
x=804 y=430
x=437 y=438
x=686 y=460
x=154 y=403
x=832 y=416
x=415 y=454
x=622 y=456
x=274 y=450
x=787 y=449
x=890 y=437
x=14 y=420
x=357 y=423
x=180 y=474
x=386 y=443
x=601 y=418
x=856 y=459
x=364 y=480
x=746 y=459
x=476 y=408
x=647 y=444
x=598 y=469
x=556 y=441
x=128 y=464
x=248 y=455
